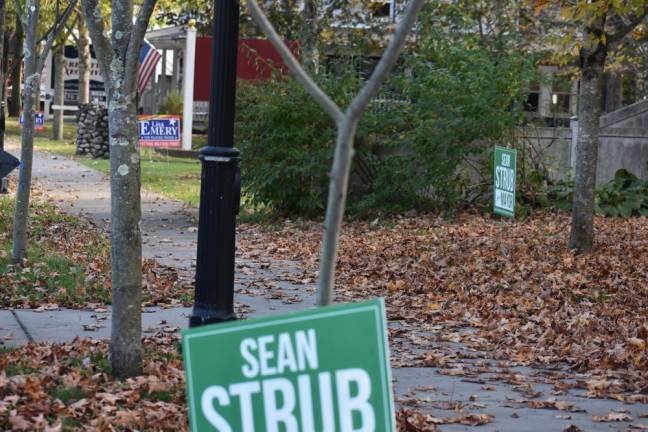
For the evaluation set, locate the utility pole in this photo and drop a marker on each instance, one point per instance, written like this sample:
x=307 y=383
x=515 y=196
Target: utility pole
x=220 y=189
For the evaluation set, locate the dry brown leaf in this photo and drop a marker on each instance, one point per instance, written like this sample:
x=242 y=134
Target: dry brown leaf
x=612 y=417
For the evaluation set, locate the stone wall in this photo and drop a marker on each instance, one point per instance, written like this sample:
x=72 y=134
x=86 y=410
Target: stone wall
x=92 y=131
x=623 y=144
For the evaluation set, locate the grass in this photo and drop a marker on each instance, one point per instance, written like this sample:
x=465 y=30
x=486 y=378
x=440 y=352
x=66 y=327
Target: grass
x=176 y=178
x=14 y=369
x=66 y=394
x=57 y=267
x=173 y=177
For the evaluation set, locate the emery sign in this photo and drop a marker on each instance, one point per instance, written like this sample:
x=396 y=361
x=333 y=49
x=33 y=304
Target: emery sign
x=159 y=131
x=324 y=370
x=504 y=178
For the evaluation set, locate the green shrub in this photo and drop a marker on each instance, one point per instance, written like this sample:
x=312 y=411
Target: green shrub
x=624 y=196
x=172 y=104
x=286 y=144
x=447 y=100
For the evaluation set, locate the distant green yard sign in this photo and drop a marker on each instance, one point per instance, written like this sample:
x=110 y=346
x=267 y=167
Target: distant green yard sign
x=326 y=369
x=504 y=177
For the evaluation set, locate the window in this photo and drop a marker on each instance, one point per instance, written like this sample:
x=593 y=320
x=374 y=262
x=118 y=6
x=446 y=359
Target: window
x=380 y=10
x=533 y=99
x=561 y=96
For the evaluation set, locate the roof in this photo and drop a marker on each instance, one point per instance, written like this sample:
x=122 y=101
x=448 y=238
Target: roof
x=168 y=37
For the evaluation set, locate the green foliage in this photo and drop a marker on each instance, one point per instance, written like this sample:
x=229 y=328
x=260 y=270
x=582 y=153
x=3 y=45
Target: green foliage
x=561 y=194
x=14 y=369
x=286 y=141
x=465 y=98
x=449 y=99
x=624 y=196
x=66 y=394
x=172 y=103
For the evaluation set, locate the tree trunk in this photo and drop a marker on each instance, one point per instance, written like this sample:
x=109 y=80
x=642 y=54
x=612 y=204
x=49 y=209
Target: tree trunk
x=32 y=84
x=118 y=58
x=346 y=127
x=126 y=238
x=335 y=207
x=59 y=90
x=85 y=62
x=17 y=70
x=37 y=94
x=126 y=342
x=310 y=33
x=589 y=117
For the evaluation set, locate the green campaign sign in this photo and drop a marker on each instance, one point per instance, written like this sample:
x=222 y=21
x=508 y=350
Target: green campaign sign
x=325 y=369
x=504 y=176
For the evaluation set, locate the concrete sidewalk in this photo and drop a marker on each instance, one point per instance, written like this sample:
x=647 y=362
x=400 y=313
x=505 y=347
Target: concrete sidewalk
x=422 y=388
x=264 y=286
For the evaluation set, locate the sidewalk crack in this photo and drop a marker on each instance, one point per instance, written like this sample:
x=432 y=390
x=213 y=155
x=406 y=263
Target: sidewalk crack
x=22 y=326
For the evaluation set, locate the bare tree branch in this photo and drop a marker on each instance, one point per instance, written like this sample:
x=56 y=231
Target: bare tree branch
x=137 y=36
x=70 y=27
x=344 y=155
x=304 y=79
x=346 y=128
x=56 y=28
x=70 y=30
x=621 y=28
x=95 y=20
x=21 y=14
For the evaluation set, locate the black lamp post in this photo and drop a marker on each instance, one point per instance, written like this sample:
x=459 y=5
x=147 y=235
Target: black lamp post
x=220 y=179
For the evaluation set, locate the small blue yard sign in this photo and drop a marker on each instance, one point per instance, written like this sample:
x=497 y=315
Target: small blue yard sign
x=159 y=131
x=39 y=120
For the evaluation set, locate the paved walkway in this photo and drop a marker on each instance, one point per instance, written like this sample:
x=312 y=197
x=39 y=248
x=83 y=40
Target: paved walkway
x=168 y=237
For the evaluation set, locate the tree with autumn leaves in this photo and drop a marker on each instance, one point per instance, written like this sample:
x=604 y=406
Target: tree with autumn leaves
x=605 y=23
x=590 y=31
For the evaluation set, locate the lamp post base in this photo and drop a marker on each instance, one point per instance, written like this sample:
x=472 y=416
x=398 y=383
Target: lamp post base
x=206 y=314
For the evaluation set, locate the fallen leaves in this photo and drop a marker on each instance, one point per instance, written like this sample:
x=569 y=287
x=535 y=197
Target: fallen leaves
x=572 y=428
x=554 y=404
x=522 y=293
x=56 y=387
x=414 y=421
x=613 y=417
x=72 y=267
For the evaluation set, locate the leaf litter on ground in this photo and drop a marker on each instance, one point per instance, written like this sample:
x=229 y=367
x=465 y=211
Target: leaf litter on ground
x=508 y=292
x=511 y=293
x=68 y=263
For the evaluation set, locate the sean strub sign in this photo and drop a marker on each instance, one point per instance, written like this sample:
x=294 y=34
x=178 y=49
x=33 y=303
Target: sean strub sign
x=325 y=370
x=159 y=131
x=504 y=176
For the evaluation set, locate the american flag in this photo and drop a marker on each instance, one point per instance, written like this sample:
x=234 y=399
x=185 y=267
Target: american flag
x=148 y=60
